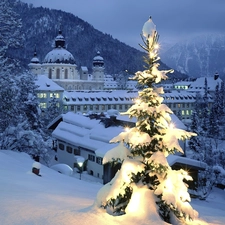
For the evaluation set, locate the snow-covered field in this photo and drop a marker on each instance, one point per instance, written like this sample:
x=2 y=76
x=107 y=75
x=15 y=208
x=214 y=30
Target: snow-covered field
x=57 y=199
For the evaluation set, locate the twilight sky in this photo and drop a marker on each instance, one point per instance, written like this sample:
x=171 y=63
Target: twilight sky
x=124 y=19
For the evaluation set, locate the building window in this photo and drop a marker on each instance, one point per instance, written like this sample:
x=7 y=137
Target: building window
x=178 y=105
x=103 y=107
x=72 y=107
x=91 y=107
x=50 y=73
x=43 y=105
x=91 y=157
x=76 y=151
x=85 y=107
x=99 y=160
x=54 y=95
x=42 y=95
x=120 y=107
x=97 y=107
x=57 y=73
x=78 y=108
x=69 y=149
x=61 y=146
x=66 y=73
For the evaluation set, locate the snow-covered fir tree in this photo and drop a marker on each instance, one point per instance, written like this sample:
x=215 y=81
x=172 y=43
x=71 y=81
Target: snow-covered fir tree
x=20 y=123
x=146 y=185
x=10 y=37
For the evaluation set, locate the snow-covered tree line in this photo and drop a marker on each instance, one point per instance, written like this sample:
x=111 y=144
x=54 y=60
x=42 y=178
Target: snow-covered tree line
x=22 y=127
x=208 y=123
x=146 y=186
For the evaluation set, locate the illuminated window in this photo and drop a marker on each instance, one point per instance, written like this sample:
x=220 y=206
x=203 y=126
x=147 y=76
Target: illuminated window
x=178 y=105
x=43 y=105
x=42 y=95
x=183 y=112
x=52 y=95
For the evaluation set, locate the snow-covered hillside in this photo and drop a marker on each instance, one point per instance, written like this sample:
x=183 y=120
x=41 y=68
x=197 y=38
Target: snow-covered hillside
x=57 y=199
x=199 y=56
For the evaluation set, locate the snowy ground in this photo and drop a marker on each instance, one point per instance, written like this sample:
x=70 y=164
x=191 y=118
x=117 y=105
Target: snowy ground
x=57 y=199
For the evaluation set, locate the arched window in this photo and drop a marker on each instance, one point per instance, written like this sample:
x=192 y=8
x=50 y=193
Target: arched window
x=66 y=73
x=50 y=73
x=57 y=73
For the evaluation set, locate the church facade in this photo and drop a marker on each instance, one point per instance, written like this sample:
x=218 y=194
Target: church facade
x=60 y=66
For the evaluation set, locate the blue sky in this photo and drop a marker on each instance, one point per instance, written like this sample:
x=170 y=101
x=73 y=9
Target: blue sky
x=123 y=19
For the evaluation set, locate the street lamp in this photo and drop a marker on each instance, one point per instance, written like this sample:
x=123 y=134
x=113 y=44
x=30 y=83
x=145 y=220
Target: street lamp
x=80 y=162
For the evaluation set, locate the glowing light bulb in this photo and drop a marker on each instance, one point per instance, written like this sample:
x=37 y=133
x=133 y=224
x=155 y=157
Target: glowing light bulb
x=156 y=46
x=137 y=101
x=126 y=129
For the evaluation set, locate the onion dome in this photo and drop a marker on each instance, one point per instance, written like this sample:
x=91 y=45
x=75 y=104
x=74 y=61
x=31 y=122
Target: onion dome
x=59 y=54
x=59 y=40
x=98 y=61
x=35 y=58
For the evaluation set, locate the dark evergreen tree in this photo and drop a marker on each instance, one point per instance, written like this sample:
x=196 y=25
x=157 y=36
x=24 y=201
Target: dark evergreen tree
x=10 y=37
x=195 y=143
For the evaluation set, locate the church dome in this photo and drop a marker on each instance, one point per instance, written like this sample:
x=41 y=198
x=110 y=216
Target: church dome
x=35 y=59
x=98 y=60
x=59 y=54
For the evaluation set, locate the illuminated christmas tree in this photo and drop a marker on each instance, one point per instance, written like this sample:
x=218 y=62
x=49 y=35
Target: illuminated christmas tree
x=146 y=186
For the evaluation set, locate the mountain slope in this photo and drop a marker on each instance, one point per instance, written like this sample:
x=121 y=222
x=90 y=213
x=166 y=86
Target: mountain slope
x=41 y=25
x=200 y=56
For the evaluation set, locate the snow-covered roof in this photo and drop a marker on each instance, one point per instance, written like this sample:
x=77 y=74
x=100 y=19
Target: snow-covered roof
x=178 y=96
x=35 y=60
x=46 y=84
x=100 y=97
x=59 y=55
x=84 y=68
x=199 y=83
x=87 y=133
x=183 y=83
x=173 y=159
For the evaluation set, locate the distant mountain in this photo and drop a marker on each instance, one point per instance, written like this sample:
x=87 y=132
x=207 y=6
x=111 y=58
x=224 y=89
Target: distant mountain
x=41 y=26
x=200 y=56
